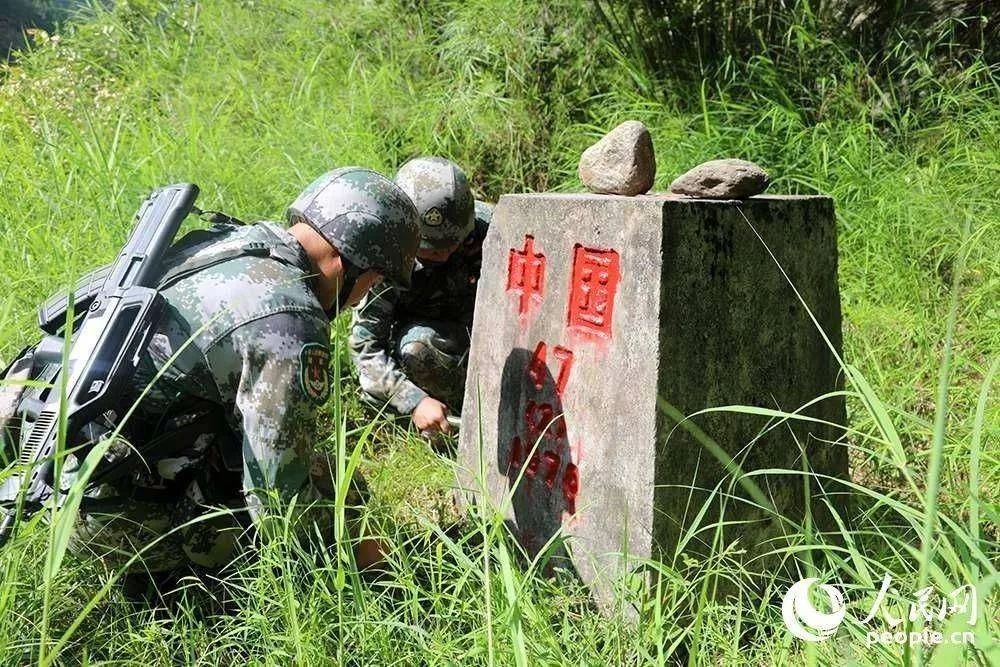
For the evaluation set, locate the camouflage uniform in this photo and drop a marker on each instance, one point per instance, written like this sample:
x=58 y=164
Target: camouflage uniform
x=258 y=354
x=408 y=344
x=224 y=400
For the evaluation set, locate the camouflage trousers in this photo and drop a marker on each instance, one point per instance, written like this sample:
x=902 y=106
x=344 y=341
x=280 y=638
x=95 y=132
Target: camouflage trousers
x=163 y=534
x=206 y=523
x=434 y=355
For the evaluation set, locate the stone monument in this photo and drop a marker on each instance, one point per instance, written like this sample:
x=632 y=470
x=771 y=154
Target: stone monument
x=600 y=321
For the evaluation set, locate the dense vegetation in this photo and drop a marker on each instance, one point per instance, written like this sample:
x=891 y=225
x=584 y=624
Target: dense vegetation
x=252 y=98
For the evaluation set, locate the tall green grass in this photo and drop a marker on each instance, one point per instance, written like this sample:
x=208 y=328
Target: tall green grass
x=251 y=99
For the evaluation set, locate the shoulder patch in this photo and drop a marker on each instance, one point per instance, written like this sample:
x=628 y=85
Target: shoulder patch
x=314 y=371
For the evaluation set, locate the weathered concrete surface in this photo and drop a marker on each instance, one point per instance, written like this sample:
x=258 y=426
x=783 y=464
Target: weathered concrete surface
x=595 y=307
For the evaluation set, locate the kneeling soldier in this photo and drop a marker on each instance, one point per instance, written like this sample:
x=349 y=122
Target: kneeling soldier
x=410 y=346
x=241 y=352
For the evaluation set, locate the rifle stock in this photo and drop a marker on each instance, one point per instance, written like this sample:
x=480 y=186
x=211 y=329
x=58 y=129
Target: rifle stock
x=107 y=343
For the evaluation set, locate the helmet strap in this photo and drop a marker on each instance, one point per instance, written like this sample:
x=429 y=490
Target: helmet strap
x=352 y=274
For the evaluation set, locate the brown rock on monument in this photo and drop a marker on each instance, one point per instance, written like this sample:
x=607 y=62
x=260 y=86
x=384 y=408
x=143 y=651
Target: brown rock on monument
x=621 y=163
x=722 y=179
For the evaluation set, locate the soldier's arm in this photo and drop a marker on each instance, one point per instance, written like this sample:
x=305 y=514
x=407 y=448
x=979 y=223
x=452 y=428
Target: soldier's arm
x=371 y=351
x=276 y=370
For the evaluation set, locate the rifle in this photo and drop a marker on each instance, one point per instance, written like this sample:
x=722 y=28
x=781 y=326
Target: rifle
x=117 y=316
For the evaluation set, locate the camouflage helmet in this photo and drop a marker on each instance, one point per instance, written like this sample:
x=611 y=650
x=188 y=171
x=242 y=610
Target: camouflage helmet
x=370 y=221
x=440 y=191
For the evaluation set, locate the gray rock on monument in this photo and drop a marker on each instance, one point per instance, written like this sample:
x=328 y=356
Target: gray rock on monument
x=603 y=321
x=722 y=179
x=621 y=163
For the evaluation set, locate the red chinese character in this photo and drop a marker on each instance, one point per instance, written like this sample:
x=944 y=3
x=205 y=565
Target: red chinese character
x=526 y=275
x=565 y=356
x=592 y=291
x=537 y=367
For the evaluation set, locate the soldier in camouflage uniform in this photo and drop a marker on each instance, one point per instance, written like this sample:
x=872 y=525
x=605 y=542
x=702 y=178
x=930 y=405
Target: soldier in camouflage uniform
x=242 y=353
x=410 y=346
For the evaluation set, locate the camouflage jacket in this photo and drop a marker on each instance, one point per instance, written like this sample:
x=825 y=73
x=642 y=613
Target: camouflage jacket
x=441 y=292
x=248 y=337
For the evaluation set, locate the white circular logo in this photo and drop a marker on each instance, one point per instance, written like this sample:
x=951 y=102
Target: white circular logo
x=803 y=620
x=433 y=217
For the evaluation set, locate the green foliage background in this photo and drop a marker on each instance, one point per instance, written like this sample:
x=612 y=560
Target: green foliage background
x=252 y=98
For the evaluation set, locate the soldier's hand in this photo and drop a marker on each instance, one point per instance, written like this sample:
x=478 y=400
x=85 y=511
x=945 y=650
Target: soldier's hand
x=431 y=416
